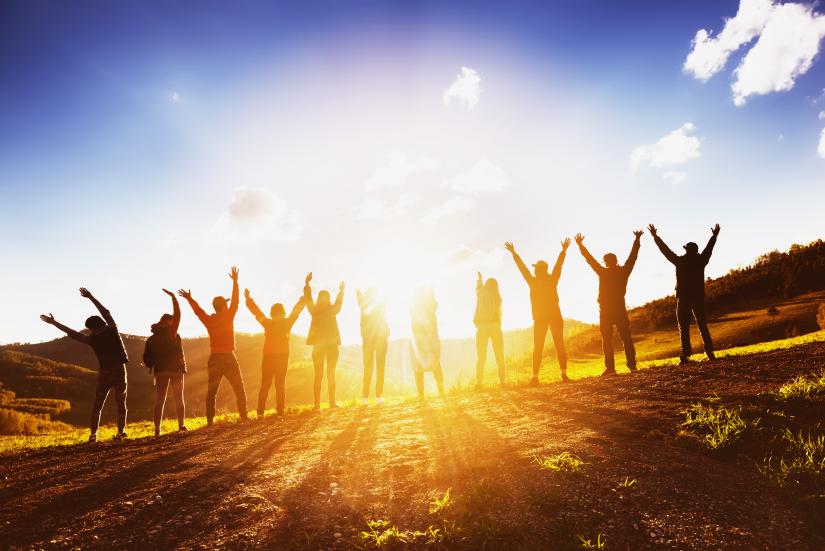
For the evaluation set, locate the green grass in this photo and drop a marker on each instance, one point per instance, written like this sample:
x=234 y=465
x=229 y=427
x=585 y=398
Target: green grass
x=564 y=462
x=803 y=388
x=801 y=467
x=439 y=504
x=587 y=543
x=716 y=427
x=380 y=533
x=627 y=483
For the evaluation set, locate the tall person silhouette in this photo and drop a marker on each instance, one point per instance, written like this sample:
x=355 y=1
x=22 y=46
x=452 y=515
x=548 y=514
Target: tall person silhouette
x=690 y=289
x=612 y=309
x=275 y=360
x=544 y=300
x=487 y=319
x=108 y=347
x=222 y=359
x=375 y=333
x=324 y=338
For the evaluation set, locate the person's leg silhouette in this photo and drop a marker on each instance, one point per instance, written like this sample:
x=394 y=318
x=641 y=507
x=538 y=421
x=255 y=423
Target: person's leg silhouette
x=683 y=314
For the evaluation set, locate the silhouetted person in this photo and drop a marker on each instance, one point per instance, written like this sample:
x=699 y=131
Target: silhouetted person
x=324 y=338
x=163 y=355
x=487 y=320
x=544 y=299
x=612 y=309
x=690 y=289
x=222 y=360
x=108 y=347
x=426 y=342
x=275 y=361
x=375 y=333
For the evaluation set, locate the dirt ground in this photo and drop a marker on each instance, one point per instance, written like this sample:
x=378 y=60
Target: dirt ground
x=313 y=480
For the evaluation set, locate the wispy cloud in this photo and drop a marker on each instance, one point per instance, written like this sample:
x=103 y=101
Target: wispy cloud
x=466 y=90
x=821 y=148
x=450 y=207
x=397 y=171
x=482 y=177
x=375 y=208
x=257 y=214
x=673 y=149
x=675 y=177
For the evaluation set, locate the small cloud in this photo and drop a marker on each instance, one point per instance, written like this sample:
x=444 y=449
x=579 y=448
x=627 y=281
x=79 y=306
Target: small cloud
x=466 y=89
x=175 y=97
x=398 y=170
x=675 y=177
x=482 y=177
x=450 y=207
x=257 y=214
x=676 y=148
x=821 y=148
x=822 y=115
x=374 y=208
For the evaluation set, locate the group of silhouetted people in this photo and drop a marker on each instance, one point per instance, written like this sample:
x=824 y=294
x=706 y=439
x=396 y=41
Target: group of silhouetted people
x=164 y=355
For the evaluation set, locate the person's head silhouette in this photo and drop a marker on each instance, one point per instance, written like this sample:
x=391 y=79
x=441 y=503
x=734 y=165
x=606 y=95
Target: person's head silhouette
x=277 y=312
x=691 y=248
x=491 y=287
x=323 y=298
x=219 y=304
x=540 y=267
x=610 y=260
x=95 y=324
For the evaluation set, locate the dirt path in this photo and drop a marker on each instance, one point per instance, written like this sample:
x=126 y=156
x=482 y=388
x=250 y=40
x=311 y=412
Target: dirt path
x=314 y=480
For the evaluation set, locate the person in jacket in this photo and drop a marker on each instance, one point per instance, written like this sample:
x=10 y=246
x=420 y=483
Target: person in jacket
x=487 y=320
x=544 y=300
x=324 y=338
x=163 y=355
x=222 y=360
x=375 y=334
x=612 y=309
x=105 y=341
x=426 y=342
x=690 y=289
x=277 y=328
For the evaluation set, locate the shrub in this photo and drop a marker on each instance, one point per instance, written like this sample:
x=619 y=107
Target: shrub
x=14 y=422
x=716 y=427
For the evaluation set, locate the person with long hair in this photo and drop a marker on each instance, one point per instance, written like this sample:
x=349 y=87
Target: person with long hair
x=324 y=338
x=426 y=342
x=487 y=320
x=163 y=355
x=375 y=333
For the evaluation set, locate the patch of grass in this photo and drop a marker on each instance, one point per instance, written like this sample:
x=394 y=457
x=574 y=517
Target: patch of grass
x=716 y=427
x=587 y=543
x=803 y=388
x=801 y=468
x=565 y=462
x=380 y=533
x=438 y=504
x=627 y=483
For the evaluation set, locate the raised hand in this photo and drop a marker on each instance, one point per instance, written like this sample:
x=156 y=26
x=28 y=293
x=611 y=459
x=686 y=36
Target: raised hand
x=579 y=239
x=715 y=229
x=341 y=287
x=308 y=278
x=510 y=247
x=84 y=292
x=479 y=276
x=168 y=292
x=246 y=294
x=185 y=293
x=48 y=318
x=638 y=233
x=652 y=229
x=233 y=274
x=565 y=243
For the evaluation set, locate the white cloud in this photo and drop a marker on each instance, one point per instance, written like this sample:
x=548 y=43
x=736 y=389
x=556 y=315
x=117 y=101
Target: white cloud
x=676 y=177
x=374 y=208
x=466 y=89
x=257 y=214
x=453 y=205
x=822 y=115
x=398 y=170
x=785 y=50
x=175 y=97
x=709 y=54
x=821 y=148
x=676 y=148
x=482 y=177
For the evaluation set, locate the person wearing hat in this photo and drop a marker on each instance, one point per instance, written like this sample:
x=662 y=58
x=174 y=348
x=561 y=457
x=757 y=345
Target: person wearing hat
x=108 y=347
x=612 y=309
x=690 y=289
x=544 y=299
x=222 y=360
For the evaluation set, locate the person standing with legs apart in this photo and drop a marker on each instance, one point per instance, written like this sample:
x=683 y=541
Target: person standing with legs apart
x=275 y=359
x=324 y=338
x=612 y=308
x=487 y=320
x=426 y=342
x=222 y=360
x=375 y=333
x=544 y=300
x=163 y=355
x=108 y=347
x=690 y=289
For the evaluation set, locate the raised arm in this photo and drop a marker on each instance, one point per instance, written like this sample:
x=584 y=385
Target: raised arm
x=203 y=316
x=107 y=316
x=634 y=252
x=479 y=283
x=310 y=304
x=339 y=300
x=256 y=311
x=711 y=243
x=670 y=255
x=598 y=268
x=560 y=260
x=522 y=267
x=175 y=311
x=233 y=306
x=296 y=311
x=68 y=330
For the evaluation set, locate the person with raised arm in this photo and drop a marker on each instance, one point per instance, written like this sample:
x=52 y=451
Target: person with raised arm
x=487 y=320
x=163 y=355
x=324 y=338
x=375 y=334
x=275 y=361
x=222 y=361
x=612 y=309
x=105 y=341
x=544 y=300
x=426 y=342
x=690 y=289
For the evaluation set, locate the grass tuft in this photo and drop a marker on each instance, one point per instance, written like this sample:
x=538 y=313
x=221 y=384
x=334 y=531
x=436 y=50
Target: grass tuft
x=380 y=533
x=587 y=543
x=803 y=388
x=564 y=462
x=440 y=503
x=801 y=468
x=716 y=427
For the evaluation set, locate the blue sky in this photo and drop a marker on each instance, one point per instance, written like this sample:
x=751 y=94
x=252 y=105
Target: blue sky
x=152 y=144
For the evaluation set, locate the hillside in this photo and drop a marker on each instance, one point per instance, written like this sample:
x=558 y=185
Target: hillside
x=357 y=477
